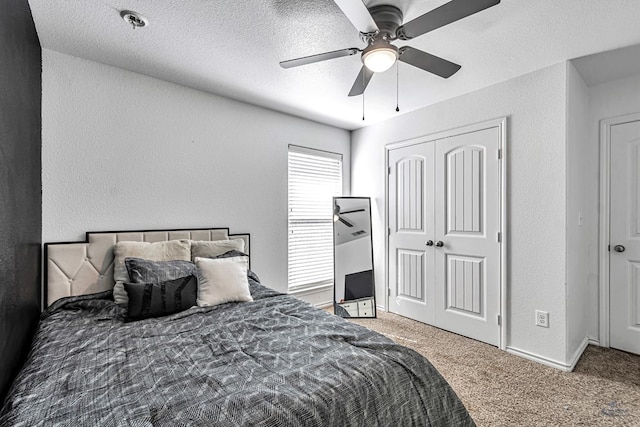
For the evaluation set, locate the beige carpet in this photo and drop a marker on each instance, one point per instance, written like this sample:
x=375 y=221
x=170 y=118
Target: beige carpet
x=500 y=389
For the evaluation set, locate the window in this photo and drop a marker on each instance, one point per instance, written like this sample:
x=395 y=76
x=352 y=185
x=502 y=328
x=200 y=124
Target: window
x=315 y=177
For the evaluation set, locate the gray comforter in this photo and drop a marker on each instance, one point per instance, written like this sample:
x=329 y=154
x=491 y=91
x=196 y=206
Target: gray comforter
x=276 y=361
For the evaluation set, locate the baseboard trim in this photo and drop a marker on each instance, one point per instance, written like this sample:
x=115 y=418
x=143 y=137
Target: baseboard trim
x=576 y=356
x=566 y=367
x=540 y=359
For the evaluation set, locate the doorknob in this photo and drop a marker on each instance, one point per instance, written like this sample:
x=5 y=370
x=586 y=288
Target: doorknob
x=429 y=243
x=619 y=248
x=439 y=243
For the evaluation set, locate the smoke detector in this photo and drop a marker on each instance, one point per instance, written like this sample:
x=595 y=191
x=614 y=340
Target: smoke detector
x=134 y=19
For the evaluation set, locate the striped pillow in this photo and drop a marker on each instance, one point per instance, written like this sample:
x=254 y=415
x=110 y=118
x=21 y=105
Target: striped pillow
x=160 y=299
x=147 y=271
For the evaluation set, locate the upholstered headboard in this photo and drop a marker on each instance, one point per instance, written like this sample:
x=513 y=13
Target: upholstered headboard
x=79 y=268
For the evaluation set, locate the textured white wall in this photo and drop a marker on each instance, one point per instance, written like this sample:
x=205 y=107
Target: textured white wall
x=606 y=100
x=582 y=193
x=124 y=151
x=535 y=104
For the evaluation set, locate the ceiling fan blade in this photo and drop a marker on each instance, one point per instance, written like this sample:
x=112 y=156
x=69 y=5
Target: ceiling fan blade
x=319 y=57
x=345 y=222
x=363 y=79
x=426 y=61
x=353 y=211
x=358 y=14
x=441 y=16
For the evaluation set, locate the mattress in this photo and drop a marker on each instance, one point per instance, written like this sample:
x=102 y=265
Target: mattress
x=276 y=361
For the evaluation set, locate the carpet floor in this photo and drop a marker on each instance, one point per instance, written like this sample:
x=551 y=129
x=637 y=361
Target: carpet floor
x=500 y=389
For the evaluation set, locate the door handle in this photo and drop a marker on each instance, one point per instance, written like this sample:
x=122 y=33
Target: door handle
x=439 y=243
x=619 y=248
x=429 y=243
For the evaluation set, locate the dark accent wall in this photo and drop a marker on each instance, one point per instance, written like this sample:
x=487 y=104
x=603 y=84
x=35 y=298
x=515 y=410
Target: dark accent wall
x=20 y=184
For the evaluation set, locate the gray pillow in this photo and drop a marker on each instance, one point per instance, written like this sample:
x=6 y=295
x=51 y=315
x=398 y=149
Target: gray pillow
x=160 y=299
x=147 y=271
x=204 y=249
x=157 y=251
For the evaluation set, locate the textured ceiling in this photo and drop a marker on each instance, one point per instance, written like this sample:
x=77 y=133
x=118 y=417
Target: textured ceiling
x=232 y=48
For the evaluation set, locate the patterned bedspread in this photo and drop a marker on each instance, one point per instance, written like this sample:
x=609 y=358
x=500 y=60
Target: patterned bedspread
x=276 y=361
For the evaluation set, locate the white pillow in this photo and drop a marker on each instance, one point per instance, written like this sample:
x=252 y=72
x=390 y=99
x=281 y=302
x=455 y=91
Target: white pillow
x=158 y=251
x=222 y=280
x=212 y=249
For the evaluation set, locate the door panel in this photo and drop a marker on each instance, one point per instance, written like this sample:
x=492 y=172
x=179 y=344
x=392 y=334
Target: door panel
x=465 y=284
x=624 y=273
x=464 y=167
x=467 y=221
x=635 y=295
x=410 y=222
x=411 y=283
x=410 y=176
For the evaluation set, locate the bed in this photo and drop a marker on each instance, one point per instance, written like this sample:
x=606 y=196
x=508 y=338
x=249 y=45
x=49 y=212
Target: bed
x=273 y=361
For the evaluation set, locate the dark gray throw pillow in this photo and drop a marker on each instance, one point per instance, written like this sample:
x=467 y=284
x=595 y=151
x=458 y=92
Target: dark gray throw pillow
x=160 y=299
x=146 y=271
x=230 y=254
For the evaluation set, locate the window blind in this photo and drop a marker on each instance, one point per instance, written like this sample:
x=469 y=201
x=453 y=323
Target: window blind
x=315 y=177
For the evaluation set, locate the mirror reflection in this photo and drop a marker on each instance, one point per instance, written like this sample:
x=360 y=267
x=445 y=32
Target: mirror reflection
x=354 y=289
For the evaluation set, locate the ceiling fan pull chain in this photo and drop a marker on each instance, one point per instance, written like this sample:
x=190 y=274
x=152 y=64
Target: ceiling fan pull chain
x=363 y=86
x=363 y=106
x=397 y=86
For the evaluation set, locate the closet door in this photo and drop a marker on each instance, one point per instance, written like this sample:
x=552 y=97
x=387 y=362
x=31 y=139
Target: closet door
x=467 y=222
x=411 y=221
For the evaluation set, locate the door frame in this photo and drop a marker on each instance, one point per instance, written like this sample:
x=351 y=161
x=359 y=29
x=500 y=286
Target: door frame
x=605 y=209
x=501 y=124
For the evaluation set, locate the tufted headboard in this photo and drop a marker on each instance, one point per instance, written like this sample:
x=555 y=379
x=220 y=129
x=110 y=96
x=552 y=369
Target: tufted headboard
x=79 y=268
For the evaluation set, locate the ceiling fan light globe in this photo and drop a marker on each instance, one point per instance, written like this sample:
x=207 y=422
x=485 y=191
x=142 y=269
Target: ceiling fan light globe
x=380 y=59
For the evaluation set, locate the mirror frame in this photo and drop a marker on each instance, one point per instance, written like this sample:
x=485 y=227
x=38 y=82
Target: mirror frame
x=373 y=280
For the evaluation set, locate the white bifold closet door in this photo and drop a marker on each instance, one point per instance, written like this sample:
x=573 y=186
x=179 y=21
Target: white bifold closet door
x=444 y=220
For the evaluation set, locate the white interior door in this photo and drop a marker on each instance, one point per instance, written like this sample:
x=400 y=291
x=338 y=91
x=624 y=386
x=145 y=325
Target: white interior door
x=624 y=255
x=411 y=183
x=467 y=214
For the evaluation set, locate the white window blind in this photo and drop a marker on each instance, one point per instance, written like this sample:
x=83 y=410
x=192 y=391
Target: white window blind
x=315 y=177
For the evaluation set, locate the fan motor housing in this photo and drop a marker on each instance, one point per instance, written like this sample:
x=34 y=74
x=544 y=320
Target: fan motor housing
x=388 y=18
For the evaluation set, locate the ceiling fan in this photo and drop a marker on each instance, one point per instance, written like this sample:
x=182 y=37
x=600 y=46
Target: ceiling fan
x=337 y=215
x=381 y=25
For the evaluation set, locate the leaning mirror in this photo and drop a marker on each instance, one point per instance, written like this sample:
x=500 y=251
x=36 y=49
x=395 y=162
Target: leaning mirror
x=354 y=289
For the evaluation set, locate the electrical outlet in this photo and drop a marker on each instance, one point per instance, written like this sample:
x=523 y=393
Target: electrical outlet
x=542 y=319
